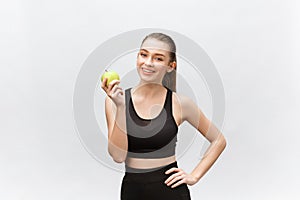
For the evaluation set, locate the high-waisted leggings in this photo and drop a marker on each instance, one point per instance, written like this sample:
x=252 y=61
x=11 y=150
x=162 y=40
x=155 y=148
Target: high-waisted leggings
x=140 y=185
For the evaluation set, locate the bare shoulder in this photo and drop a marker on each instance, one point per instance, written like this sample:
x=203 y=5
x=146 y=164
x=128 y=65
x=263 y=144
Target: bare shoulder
x=194 y=116
x=183 y=107
x=184 y=101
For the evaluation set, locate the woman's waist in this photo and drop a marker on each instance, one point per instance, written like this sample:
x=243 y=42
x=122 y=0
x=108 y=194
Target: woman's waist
x=148 y=163
x=143 y=175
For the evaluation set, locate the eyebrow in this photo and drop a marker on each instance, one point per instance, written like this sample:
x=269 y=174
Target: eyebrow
x=155 y=53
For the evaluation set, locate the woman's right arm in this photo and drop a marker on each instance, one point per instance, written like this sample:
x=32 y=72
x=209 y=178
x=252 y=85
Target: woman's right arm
x=116 y=124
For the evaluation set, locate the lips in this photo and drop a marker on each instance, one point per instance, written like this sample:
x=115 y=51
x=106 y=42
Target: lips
x=147 y=70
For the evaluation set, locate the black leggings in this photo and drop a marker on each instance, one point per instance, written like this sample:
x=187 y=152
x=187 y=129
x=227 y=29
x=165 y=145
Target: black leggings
x=150 y=185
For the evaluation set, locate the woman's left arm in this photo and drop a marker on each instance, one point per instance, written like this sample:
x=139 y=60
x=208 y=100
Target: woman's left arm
x=218 y=144
x=192 y=114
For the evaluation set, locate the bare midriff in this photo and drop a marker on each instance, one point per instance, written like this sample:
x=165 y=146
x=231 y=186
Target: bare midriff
x=146 y=163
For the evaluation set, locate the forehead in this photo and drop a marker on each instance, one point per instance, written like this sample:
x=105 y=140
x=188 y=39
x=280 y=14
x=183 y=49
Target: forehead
x=152 y=45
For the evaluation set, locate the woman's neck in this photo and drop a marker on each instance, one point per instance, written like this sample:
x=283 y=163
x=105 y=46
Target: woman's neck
x=148 y=89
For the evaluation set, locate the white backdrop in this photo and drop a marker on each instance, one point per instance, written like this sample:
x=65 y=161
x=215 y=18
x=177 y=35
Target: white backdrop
x=252 y=43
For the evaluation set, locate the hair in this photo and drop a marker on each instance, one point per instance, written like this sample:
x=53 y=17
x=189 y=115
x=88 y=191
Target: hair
x=169 y=79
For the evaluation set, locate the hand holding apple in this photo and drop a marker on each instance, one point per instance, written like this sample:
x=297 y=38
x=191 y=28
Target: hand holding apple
x=110 y=84
x=110 y=75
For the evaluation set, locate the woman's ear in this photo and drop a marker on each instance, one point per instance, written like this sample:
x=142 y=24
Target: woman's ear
x=172 y=66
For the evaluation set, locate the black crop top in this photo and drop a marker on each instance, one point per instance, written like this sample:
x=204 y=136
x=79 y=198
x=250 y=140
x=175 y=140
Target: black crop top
x=151 y=138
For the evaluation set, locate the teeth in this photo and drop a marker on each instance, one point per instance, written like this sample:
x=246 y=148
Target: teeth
x=148 y=70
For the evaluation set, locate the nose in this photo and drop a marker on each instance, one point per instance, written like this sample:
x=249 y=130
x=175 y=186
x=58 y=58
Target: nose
x=148 y=61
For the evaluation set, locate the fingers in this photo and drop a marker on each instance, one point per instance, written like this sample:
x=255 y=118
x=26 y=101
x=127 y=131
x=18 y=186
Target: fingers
x=112 y=84
x=173 y=169
x=115 y=91
x=178 y=183
x=103 y=84
x=179 y=175
x=111 y=87
x=175 y=179
x=173 y=176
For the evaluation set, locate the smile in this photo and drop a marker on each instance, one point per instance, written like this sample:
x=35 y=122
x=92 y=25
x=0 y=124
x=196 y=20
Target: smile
x=147 y=70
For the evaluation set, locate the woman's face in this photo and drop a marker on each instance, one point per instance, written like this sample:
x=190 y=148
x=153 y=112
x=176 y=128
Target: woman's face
x=153 y=61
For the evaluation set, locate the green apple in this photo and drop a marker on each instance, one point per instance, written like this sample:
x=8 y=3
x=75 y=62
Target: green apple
x=110 y=75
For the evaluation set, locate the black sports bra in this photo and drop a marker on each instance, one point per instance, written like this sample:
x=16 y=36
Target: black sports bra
x=151 y=138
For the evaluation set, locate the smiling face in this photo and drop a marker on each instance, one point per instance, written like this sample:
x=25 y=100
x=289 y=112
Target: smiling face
x=153 y=61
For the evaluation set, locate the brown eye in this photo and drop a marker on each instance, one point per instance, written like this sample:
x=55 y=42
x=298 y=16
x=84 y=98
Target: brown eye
x=143 y=54
x=159 y=59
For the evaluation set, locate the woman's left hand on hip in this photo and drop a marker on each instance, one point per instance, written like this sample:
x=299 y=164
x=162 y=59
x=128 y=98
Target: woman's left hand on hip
x=179 y=177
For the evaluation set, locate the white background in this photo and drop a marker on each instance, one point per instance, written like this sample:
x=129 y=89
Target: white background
x=254 y=45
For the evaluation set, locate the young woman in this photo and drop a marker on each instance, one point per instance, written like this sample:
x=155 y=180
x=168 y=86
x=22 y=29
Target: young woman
x=143 y=123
